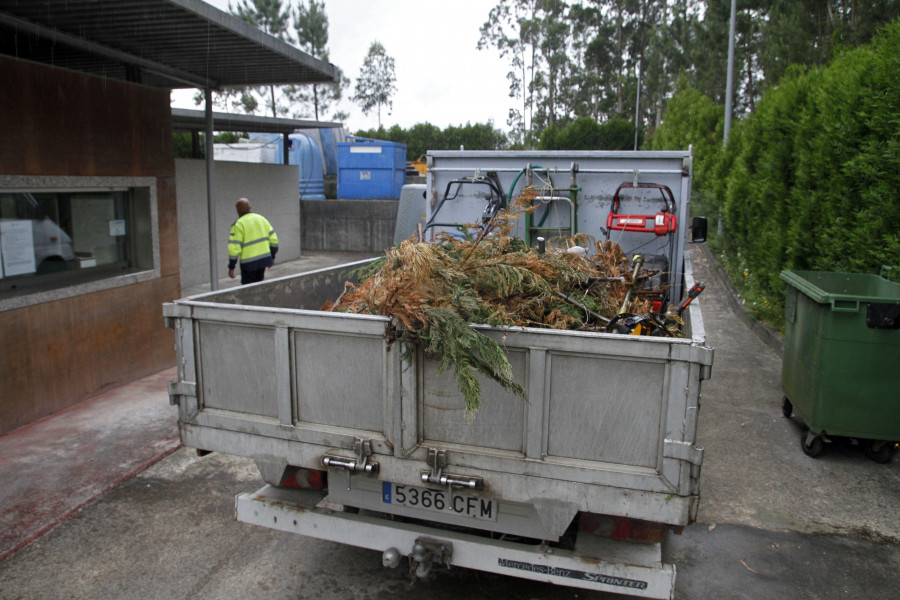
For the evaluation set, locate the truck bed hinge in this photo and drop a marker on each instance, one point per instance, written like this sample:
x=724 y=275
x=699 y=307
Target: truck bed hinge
x=360 y=464
x=683 y=451
x=177 y=389
x=437 y=460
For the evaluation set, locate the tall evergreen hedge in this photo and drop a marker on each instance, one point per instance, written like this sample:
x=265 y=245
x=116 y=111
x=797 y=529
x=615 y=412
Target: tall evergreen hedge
x=693 y=120
x=811 y=179
x=815 y=182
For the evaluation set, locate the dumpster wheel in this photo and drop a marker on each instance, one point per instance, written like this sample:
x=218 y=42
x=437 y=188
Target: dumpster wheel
x=812 y=444
x=787 y=409
x=880 y=451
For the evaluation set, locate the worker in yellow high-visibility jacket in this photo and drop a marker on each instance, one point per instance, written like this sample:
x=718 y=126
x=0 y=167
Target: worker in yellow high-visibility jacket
x=253 y=242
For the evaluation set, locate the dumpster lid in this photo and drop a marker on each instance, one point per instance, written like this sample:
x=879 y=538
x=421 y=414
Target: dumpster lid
x=826 y=287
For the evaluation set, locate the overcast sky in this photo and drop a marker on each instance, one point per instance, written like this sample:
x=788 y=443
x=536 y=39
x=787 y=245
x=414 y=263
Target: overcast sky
x=442 y=78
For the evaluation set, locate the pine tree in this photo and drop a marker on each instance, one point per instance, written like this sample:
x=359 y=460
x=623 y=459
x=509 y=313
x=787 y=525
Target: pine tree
x=311 y=26
x=272 y=17
x=376 y=83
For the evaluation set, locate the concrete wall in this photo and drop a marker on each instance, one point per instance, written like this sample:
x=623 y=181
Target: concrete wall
x=272 y=191
x=60 y=351
x=348 y=225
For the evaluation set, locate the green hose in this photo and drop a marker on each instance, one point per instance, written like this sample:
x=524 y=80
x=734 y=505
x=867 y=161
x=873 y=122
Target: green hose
x=512 y=188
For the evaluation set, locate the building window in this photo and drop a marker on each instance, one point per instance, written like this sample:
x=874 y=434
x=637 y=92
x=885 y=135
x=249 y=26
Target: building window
x=73 y=239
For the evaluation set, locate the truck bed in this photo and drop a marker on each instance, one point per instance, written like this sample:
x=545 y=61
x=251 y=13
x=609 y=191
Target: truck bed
x=609 y=425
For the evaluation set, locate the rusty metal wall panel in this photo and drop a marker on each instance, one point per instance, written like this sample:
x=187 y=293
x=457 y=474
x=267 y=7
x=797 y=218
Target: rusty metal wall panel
x=60 y=353
x=57 y=354
x=66 y=123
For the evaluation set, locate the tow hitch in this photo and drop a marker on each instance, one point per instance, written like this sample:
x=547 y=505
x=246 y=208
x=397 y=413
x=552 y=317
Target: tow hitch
x=426 y=553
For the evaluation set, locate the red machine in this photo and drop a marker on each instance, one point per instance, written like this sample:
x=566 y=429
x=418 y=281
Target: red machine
x=662 y=223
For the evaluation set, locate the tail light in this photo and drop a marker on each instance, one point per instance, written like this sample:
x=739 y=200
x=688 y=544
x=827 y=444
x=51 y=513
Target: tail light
x=622 y=528
x=306 y=479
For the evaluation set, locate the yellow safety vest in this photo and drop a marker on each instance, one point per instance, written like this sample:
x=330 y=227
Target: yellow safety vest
x=253 y=242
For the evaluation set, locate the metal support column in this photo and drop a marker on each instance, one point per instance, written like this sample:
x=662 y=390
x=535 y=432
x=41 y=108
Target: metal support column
x=210 y=192
x=637 y=105
x=729 y=79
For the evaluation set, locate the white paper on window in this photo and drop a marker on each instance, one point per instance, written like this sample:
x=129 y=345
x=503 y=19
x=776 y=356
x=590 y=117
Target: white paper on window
x=117 y=228
x=17 y=247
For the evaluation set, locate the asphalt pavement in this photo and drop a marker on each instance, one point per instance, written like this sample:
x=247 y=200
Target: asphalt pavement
x=100 y=502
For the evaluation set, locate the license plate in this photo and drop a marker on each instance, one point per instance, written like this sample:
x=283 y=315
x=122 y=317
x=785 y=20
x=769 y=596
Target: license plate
x=441 y=501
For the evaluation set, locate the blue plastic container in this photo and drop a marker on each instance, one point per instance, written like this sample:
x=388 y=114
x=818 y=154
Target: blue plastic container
x=329 y=140
x=304 y=152
x=369 y=169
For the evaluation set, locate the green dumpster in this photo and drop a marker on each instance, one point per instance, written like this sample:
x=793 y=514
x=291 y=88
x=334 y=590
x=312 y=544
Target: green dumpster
x=841 y=364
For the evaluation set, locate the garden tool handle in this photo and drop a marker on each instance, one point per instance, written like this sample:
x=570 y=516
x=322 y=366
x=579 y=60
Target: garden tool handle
x=692 y=293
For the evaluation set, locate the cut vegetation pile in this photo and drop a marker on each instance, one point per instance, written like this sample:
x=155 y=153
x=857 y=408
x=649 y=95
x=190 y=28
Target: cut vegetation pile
x=433 y=291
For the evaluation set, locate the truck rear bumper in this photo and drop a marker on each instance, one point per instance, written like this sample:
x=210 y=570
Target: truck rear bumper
x=595 y=564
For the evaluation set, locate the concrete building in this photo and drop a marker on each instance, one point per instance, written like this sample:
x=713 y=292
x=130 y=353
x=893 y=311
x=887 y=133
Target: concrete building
x=88 y=198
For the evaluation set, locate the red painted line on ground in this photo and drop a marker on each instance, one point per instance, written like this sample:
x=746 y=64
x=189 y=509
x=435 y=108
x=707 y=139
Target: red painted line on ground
x=108 y=488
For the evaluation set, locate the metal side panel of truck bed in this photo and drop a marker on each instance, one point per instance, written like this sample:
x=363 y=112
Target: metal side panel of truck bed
x=608 y=425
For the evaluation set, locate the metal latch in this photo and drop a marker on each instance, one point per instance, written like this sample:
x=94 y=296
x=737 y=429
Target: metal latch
x=683 y=451
x=437 y=460
x=361 y=464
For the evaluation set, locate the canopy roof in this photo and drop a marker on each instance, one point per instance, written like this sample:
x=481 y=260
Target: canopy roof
x=162 y=43
x=184 y=119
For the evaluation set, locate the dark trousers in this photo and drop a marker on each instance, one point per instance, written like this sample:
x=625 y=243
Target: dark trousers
x=252 y=276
